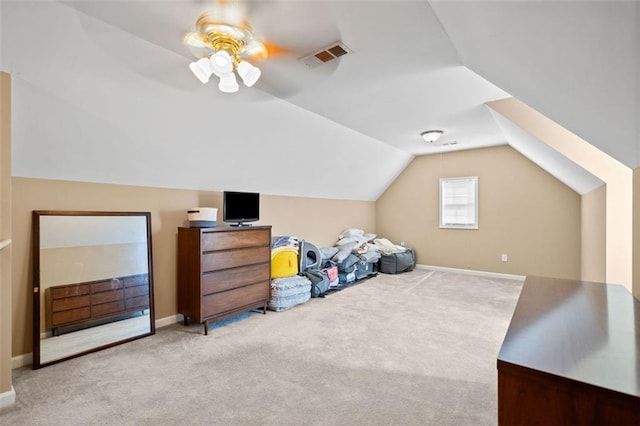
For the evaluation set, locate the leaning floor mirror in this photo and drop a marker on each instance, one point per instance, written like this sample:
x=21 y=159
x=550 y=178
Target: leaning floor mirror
x=92 y=282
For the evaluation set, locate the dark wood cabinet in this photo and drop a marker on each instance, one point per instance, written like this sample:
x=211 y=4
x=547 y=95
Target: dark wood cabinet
x=222 y=271
x=75 y=306
x=571 y=356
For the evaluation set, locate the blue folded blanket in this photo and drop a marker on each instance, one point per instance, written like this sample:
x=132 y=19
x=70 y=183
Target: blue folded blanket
x=283 y=240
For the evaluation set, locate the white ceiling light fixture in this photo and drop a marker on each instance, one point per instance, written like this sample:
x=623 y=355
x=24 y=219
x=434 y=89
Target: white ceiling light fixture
x=431 y=135
x=249 y=73
x=223 y=48
x=221 y=63
x=228 y=83
x=202 y=69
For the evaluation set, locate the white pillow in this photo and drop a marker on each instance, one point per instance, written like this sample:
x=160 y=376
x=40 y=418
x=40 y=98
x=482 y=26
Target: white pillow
x=347 y=240
x=350 y=232
x=373 y=248
x=344 y=251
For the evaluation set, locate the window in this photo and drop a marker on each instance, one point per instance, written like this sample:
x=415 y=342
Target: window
x=459 y=203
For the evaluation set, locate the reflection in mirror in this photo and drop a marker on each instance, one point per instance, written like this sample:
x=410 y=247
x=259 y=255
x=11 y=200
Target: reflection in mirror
x=92 y=282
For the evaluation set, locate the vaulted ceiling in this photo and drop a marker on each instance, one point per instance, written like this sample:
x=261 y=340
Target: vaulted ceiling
x=103 y=93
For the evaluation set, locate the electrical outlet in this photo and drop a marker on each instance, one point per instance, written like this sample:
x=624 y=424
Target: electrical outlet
x=504 y=257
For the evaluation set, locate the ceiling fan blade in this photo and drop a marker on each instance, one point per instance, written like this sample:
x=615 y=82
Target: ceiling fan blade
x=274 y=49
x=195 y=39
x=257 y=51
x=197 y=44
x=229 y=12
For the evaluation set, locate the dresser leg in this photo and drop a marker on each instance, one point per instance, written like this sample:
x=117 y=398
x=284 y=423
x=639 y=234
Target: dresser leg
x=185 y=320
x=206 y=328
x=264 y=309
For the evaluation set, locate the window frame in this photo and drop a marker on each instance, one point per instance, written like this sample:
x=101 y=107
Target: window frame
x=474 y=201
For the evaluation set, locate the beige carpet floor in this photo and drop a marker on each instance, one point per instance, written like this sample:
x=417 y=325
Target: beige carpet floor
x=417 y=348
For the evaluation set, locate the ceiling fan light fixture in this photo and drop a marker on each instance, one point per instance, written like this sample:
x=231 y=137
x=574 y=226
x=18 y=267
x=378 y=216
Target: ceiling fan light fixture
x=230 y=44
x=221 y=63
x=228 y=83
x=201 y=69
x=249 y=73
x=255 y=49
x=431 y=135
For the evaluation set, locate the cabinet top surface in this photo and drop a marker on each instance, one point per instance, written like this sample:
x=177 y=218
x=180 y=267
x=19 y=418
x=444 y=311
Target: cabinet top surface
x=582 y=331
x=226 y=228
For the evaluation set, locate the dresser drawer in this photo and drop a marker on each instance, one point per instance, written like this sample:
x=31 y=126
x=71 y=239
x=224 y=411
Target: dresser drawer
x=137 y=280
x=140 y=290
x=70 y=303
x=235 y=239
x=107 y=296
x=140 y=302
x=109 y=285
x=226 y=279
x=234 y=258
x=107 y=308
x=71 y=315
x=219 y=303
x=69 y=291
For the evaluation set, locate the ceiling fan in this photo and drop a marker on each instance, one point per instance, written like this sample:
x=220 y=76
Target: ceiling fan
x=224 y=42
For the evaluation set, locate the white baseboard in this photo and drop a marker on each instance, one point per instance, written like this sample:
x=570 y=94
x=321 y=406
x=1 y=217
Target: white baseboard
x=163 y=322
x=472 y=272
x=7 y=398
x=21 y=360
x=27 y=359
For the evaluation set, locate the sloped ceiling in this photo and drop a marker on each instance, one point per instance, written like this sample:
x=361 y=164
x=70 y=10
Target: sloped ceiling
x=546 y=157
x=577 y=62
x=102 y=91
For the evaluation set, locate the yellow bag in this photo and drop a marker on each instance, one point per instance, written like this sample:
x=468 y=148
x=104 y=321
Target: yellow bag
x=284 y=264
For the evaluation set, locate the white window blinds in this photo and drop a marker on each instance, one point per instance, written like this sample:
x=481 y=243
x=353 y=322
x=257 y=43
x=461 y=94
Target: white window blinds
x=459 y=202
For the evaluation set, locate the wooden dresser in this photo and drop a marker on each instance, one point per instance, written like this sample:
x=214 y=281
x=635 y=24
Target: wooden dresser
x=75 y=306
x=223 y=271
x=571 y=356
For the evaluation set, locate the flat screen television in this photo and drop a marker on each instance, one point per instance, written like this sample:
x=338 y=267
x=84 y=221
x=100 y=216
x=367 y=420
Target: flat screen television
x=238 y=208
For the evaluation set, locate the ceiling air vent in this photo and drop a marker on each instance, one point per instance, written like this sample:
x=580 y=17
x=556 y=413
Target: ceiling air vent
x=327 y=54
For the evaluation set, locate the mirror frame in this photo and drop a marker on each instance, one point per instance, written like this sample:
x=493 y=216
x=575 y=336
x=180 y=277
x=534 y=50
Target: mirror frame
x=36 y=215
